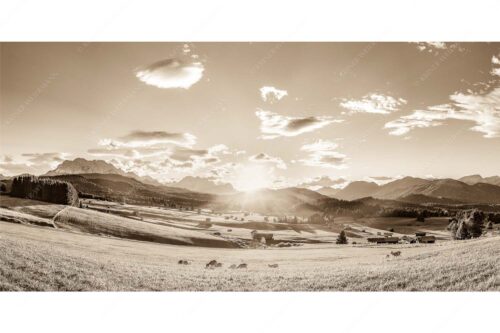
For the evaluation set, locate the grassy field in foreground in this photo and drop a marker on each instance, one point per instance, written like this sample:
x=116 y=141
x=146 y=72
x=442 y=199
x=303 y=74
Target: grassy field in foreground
x=34 y=258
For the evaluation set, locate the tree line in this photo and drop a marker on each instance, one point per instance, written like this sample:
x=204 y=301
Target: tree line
x=44 y=189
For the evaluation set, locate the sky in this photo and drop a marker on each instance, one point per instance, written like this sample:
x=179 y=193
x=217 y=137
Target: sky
x=254 y=114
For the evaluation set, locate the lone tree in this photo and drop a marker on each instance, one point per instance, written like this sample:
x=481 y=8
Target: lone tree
x=422 y=215
x=342 y=239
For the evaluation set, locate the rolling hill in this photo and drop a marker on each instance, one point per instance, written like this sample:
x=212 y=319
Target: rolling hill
x=457 y=190
x=356 y=190
x=399 y=188
x=291 y=200
x=119 y=188
x=328 y=191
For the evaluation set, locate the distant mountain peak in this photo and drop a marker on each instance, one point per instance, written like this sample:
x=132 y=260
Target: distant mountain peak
x=204 y=185
x=82 y=166
x=474 y=179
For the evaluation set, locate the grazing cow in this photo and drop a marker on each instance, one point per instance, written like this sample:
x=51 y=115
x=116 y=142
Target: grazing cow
x=396 y=253
x=273 y=265
x=242 y=266
x=212 y=264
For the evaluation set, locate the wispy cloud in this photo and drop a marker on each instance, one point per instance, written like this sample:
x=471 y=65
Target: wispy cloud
x=272 y=94
x=373 y=103
x=172 y=73
x=380 y=179
x=322 y=153
x=45 y=158
x=136 y=153
x=137 y=139
x=264 y=158
x=483 y=110
x=274 y=125
x=34 y=163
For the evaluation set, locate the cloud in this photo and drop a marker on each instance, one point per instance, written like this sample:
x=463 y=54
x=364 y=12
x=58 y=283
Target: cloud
x=136 y=153
x=322 y=153
x=431 y=46
x=380 y=180
x=159 y=154
x=196 y=158
x=184 y=154
x=42 y=158
x=14 y=169
x=172 y=73
x=7 y=159
x=137 y=139
x=33 y=163
x=483 y=110
x=323 y=181
x=224 y=170
x=264 y=158
x=274 y=125
x=272 y=94
x=495 y=71
x=373 y=103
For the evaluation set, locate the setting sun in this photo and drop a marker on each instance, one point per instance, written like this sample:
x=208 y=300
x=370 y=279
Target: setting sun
x=253 y=177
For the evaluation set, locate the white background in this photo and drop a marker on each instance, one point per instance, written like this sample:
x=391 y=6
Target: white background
x=222 y=20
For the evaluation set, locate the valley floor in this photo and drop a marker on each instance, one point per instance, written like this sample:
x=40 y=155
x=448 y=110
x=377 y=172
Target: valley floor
x=34 y=258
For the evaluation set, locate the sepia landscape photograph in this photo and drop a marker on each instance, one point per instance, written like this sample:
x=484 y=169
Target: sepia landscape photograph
x=250 y=166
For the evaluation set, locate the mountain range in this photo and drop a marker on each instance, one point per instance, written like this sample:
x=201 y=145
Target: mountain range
x=417 y=189
x=468 y=189
x=474 y=179
x=83 y=166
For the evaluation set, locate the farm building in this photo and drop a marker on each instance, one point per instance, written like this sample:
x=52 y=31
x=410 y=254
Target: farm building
x=316 y=218
x=262 y=237
x=384 y=240
x=426 y=239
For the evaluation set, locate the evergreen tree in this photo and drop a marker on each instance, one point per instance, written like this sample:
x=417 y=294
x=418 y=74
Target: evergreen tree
x=462 y=231
x=342 y=239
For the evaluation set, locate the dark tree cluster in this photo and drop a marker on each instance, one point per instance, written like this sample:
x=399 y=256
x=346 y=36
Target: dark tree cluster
x=419 y=214
x=44 y=189
x=494 y=217
x=467 y=224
